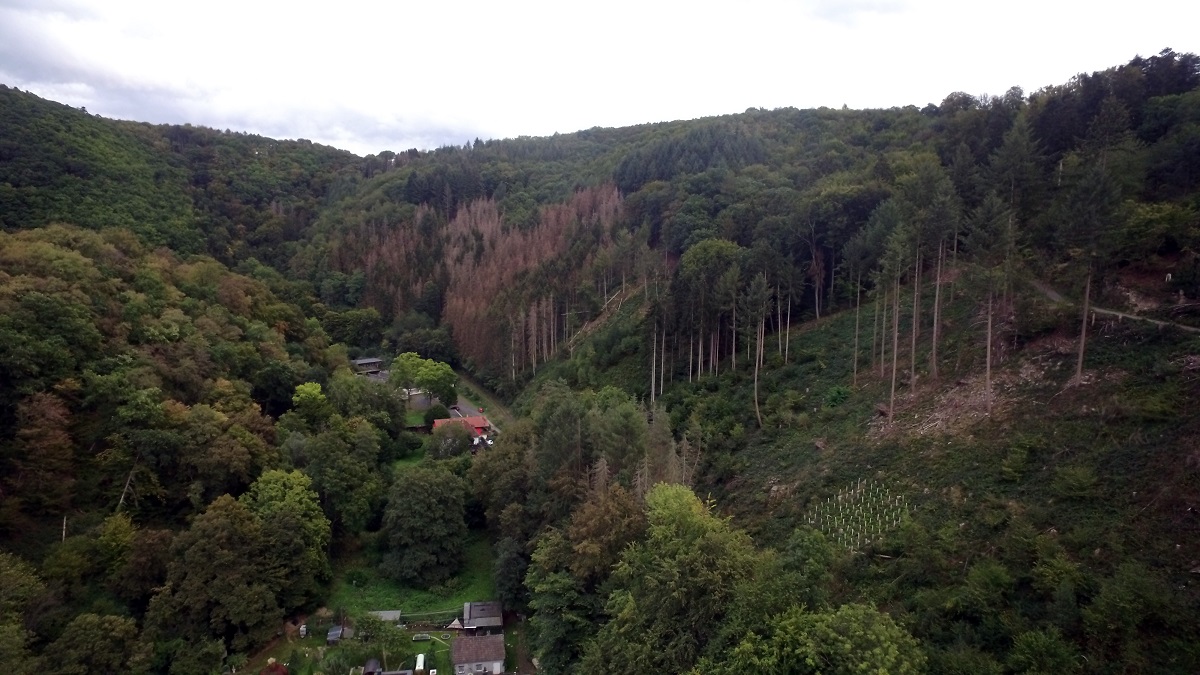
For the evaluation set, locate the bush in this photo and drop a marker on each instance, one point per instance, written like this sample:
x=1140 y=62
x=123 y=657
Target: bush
x=1075 y=482
x=836 y=395
x=451 y=440
x=356 y=577
x=1014 y=464
x=437 y=411
x=1043 y=652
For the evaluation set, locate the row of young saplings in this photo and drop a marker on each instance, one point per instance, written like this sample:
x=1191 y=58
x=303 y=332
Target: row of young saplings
x=859 y=515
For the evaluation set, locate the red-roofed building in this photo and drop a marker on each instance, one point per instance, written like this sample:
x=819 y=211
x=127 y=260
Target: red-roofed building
x=477 y=425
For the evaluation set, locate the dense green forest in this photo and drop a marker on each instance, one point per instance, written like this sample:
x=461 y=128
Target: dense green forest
x=904 y=390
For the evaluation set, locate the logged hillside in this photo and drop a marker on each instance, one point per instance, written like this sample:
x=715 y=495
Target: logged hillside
x=798 y=191
x=800 y=390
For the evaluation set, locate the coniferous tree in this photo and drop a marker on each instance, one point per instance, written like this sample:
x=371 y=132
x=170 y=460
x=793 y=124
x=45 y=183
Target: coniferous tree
x=991 y=241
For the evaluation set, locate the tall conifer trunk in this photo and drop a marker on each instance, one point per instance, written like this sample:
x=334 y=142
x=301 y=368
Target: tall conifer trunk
x=875 y=333
x=662 y=362
x=778 y=320
x=691 y=340
x=895 y=346
x=857 y=311
x=733 y=337
x=1087 y=296
x=787 y=334
x=757 y=358
x=653 y=352
x=883 y=336
x=988 y=370
x=937 y=307
x=916 y=323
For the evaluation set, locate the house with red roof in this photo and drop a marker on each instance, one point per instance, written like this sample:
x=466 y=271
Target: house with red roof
x=477 y=425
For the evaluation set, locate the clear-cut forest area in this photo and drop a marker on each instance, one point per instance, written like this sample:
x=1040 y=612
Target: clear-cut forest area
x=784 y=391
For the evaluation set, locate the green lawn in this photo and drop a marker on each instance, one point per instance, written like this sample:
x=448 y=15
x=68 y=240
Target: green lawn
x=412 y=460
x=473 y=583
x=310 y=655
x=373 y=592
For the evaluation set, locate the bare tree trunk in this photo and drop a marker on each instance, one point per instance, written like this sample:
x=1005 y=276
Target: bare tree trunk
x=916 y=323
x=124 y=491
x=875 y=333
x=717 y=352
x=1009 y=302
x=857 y=311
x=832 y=283
x=954 y=259
x=712 y=351
x=988 y=370
x=533 y=337
x=653 y=352
x=762 y=350
x=758 y=354
x=691 y=340
x=787 y=341
x=883 y=337
x=937 y=306
x=778 y=321
x=895 y=346
x=662 y=362
x=733 y=338
x=1087 y=297
x=817 y=300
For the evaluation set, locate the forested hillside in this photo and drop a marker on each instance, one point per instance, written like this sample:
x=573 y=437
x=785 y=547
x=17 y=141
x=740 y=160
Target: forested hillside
x=798 y=390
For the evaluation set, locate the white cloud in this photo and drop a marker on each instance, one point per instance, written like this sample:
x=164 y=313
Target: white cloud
x=369 y=75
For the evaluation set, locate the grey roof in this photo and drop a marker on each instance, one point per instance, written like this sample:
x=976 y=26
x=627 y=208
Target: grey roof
x=483 y=614
x=366 y=362
x=388 y=615
x=477 y=649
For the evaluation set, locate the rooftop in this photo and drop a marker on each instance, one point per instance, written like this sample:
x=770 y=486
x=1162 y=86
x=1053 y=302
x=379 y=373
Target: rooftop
x=483 y=614
x=388 y=615
x=477 y=649
x=473 y=424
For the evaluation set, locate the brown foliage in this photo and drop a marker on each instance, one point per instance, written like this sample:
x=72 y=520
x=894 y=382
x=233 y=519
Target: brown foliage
x=41 y=473
x=600 y=529
x=506 y=287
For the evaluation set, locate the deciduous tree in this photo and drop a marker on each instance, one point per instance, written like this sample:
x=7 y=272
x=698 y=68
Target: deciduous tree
x=423 y=526
x=289 y=508
x=671 y=589
x=217 y=584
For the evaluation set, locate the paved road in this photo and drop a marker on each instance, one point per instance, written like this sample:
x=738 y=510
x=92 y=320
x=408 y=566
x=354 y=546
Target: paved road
x=492 y=409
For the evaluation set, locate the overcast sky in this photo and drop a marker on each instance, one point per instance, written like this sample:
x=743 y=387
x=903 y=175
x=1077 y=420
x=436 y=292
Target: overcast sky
x=370 y=75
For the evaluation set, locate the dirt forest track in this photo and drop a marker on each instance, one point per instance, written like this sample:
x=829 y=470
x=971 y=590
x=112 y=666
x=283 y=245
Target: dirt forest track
x=1055 y=296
